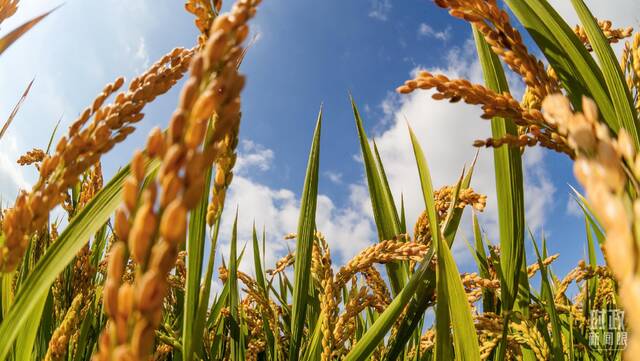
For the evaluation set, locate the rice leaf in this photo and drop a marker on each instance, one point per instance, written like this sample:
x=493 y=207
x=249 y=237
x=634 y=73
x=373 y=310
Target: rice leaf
x=192 y=341
x=304 y=242
x=237 y=336
x=28 y=333
x=550 y=307
x=575 y=67
x=412 y=322
x=384 y=211
x=205 y=291
x=510 y=197
x=451 y=295
x=613 y=76
x=365 y=346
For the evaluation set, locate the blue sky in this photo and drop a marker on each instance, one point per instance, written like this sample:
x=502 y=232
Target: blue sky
x=307 y=53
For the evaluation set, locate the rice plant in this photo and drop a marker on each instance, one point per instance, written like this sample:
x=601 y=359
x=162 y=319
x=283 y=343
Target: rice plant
x=128 y=277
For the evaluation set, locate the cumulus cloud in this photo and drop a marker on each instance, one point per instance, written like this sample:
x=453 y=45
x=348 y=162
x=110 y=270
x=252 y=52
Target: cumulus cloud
x=12 y=176
x=334 y=177
x=380 y=9
x=254 y=155
x=347 y=229
x=425 y=30
x=446 y=132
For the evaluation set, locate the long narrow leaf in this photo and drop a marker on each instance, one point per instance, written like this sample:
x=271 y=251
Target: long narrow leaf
x=384 y=211
x=613 y=76
x=15 y=109
x=304 y=242
x=451 y=295
x=195 y=256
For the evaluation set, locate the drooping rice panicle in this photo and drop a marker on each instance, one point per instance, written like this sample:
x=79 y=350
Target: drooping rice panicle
x=82 y=147
x=205 y=12
x=380 y=253
x=7 y=9
x=505 y=41
x=151 y=229
x=493 y=105
x=605 y=165
x=612 y=34
x=442 y=198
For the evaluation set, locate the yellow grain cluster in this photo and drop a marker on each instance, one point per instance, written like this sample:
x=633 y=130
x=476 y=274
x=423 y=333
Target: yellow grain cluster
x=82 y=147
x=7 y=9
x=612 y=34
x=604 y=166
x=505 y=41
x=442 y=198
x=59 y=342
x=34 y=156
x=152 y=223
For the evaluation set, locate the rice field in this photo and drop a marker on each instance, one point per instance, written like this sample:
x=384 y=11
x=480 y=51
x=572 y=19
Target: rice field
x=129 y=276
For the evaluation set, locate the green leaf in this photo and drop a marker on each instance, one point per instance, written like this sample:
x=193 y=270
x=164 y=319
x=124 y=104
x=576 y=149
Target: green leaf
x=510 y=197
x=260 y=280
x=550 y=307
x=575 y=67
x=237 y=336
x=384 y=211
x=613 y=76
x=58 y=256
x=451 y=296
x=191 y=341
x=28 y=333
x=414 y=319
x=304 y=242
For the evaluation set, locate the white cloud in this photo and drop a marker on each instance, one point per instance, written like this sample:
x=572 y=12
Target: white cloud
x=12 y=176
x=573 y=208
x=347 y=229
x=446 y=132
x=334 y=177
x=380 y=9
x=142 y=54
x=424 y=30
x=540 y=191
x=253 y=155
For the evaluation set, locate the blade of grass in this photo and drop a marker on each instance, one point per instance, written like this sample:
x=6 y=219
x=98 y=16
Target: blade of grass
x=365 y=346
x=613 y=76
x=510 y=197
x=575 y=67
x=304 y=242
x=384 y=213
x=237 y=336
x=15 y=109
x=195 y=255
x=414 y=318
x=260 y=280
x=549 y=303
x=28 y=333
x=58 y=256
x=449 y=286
